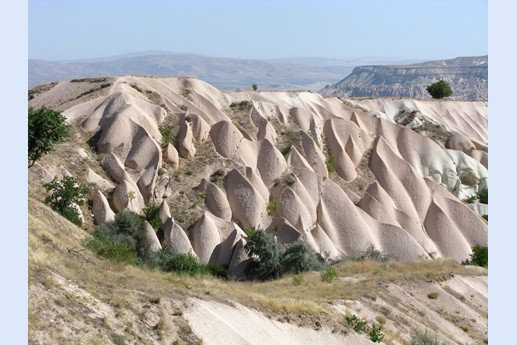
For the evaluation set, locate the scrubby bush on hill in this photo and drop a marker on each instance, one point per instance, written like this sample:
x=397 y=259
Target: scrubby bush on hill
x=46 y=128
x=479 y=256
x=425 y=339
x=298 y=258
x=125 y=231
x=268 y=260
x=168 y=261
x=439 y=90
x=65 y=196
x=264 y=253
x=152 y=216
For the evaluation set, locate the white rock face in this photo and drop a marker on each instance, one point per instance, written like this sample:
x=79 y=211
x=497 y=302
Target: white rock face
x=394 y=187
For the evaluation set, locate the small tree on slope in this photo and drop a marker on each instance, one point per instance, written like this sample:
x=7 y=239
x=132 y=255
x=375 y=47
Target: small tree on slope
x=47 y=128
x=439 y=90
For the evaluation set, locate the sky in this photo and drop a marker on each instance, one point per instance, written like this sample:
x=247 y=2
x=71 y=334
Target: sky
x=414 y=29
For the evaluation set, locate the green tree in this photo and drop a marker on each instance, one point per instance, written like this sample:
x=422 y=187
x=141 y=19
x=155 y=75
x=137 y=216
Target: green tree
x=47 y=128
x=254 y=86
x=65 y=196
x=264 y=253
x=299 y=258
x=483 y=195
x=439 y=90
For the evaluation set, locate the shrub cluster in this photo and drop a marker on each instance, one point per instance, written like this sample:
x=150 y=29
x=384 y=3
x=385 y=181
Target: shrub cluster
x=479 y=256
x=122 y=240
x=374 y=332
x=66 y=195
x=269 y=261
x=425 y=339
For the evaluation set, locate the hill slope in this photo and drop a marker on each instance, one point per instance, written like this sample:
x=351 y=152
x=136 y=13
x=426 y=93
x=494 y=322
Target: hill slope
x=344 y=175
x=468 y=77
x=224 y=73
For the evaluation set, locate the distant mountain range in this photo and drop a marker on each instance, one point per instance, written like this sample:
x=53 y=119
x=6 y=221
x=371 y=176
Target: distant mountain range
x=307 y=73
x=468 y=77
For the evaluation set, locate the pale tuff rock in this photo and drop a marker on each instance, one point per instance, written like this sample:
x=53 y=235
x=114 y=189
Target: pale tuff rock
x=101 y=210
x=200 y=129
x=165 y=212
x=283 y=231
x=186 y=147
x=151 y=242
x=407 y=198
x=481 y=209
x=99 y=182
x=222 y=253
x=175 y=239
x=239 y=261
x=230 y=143
x=314 y=156
x=215 y=200
x=127 y=196
x=247 y=204
x=162 y=188
x=205 y=237
x=271 y=163
x=171 y=156
x=346 y=142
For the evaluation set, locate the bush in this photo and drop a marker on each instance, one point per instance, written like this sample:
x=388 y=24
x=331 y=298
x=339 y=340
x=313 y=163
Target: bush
x=329 y=274
x=168 y=261
x=439 y=90
x=330 y=164
x=254 y=86
x=264 y=253
x=299 y=258
x=425 y=339
x=66 y=195
x=217 y=270
x=479 y=256
x=46 y=128
x=126 y=229
x=110 y=249
x=271 y=208
x=152 y=216
x=483 y=195
x=297 y=280
x=361 y=326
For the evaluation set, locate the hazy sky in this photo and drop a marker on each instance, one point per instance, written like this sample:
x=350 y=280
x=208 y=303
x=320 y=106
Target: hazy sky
x=419 y=29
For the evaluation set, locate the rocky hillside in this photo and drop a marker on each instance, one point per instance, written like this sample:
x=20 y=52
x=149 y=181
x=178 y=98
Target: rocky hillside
x=343 y=175
x=468 y=77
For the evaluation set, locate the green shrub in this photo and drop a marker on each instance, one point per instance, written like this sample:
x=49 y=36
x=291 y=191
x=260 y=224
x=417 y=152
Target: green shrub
x=254 y=86
x=168 y=261
x=65 y=195
x=479 y=256
x=433 y=295
x=217 y=270
x=110 y=249
x=439 y=90
x=485 y=217
x=373 y=254
x=329 y=274
x=46 y=128
x=271 y=208
x=471 y=200
x=264 y=253
x=330 y=164
x=299 y=258
x=152 y=216
x=483 y=195
x=360 y=326
x=127 y=228
x=425 y=339
x=375 y=333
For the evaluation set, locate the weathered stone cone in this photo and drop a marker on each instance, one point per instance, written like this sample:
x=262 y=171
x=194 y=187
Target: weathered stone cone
x=393 y=188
